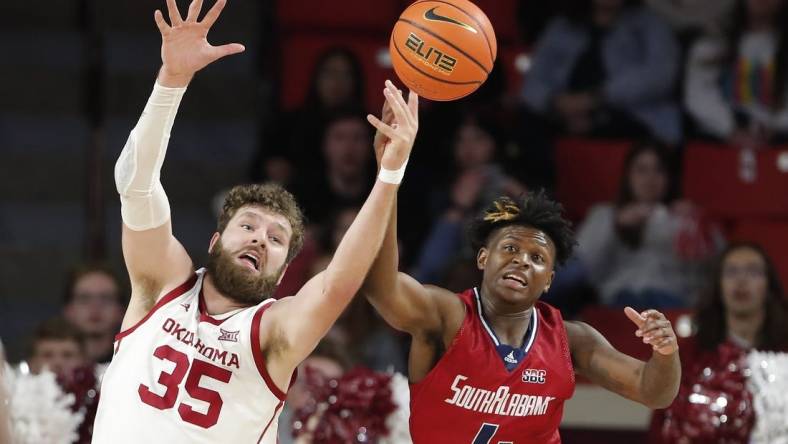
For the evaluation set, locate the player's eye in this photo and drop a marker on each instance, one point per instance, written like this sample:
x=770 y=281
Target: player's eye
x=246 y=227
x=537 y=258
x=275 y=240
x=509 y=248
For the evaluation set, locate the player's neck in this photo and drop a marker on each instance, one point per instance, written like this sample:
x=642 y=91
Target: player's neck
x=216 y=303
x=510 y=326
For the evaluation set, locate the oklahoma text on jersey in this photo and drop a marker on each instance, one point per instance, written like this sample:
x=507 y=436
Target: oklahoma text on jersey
x=183 y=375
x=499 y=402
x=190 y=338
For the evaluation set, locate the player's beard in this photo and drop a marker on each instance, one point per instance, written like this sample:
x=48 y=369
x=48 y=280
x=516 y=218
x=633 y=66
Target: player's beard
x=236 y=282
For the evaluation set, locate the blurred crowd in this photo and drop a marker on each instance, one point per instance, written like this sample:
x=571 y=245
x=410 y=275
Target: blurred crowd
x=656 y=73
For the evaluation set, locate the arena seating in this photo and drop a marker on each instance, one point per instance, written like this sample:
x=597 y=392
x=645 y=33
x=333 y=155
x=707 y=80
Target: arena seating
x=301 y=51
x=712 y=180
x=588 y=172
x=351 y=15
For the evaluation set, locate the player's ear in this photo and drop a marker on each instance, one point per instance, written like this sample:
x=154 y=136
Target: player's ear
x=549 y=281
x=481 y=258
x=214 y=239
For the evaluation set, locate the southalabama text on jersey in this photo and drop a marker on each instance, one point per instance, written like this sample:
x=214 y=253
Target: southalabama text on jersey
x=223 y=357
x=498 y=402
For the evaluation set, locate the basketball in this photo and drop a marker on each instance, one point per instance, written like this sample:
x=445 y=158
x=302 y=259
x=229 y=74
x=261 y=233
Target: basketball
x=443 y=50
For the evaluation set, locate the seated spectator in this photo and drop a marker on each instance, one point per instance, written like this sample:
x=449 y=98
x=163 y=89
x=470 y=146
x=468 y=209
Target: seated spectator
x=290 y=138
x=605 y=68
x=478 y=179
x=58 y=347
x=95 y=303
x=329 y=358
x=692 y=16
x=744 y=309
x=360 y=330
x=330 y=235
x=348 y=167
x=736 y=88
x=645 y=250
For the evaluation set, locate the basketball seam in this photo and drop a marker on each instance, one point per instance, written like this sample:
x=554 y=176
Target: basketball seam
x=416 y=68
x=481 y=28
x=446 y=42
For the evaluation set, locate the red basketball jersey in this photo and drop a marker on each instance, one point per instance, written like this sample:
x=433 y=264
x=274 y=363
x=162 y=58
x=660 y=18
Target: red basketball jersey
x=471 y=398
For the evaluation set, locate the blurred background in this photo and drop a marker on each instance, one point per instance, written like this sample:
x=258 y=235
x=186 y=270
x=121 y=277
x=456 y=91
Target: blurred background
x=661 y=125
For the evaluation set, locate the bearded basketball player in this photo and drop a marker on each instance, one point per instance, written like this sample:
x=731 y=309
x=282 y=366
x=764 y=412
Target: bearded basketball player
x=207 y=356
x=493 y=364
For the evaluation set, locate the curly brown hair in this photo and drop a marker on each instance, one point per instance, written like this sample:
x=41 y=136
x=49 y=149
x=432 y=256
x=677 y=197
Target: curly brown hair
x=272 y=197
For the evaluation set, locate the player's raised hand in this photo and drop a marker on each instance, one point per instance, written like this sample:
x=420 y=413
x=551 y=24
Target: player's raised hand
x=381 y=140
x=655 y=329
x=185 y=48
x=400 y=134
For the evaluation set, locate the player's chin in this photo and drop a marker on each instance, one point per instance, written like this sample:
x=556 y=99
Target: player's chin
x=514 y=295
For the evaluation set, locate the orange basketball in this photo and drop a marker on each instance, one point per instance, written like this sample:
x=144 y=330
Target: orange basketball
x=443 y=49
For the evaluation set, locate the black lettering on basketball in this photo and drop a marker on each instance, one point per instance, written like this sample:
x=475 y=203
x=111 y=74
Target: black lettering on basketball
x=441 y=62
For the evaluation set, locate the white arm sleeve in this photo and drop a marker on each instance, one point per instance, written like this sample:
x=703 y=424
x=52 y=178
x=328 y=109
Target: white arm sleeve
x=144 y=204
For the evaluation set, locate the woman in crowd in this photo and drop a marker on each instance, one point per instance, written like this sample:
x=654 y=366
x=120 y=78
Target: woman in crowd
x=646 y=249
x=290 y=138
x=744 y=309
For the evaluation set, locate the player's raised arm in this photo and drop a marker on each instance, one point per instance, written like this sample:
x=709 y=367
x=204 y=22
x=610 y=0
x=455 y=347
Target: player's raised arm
x=401 y=300
x=154 y=258
x=654 y=383
x=296 y=324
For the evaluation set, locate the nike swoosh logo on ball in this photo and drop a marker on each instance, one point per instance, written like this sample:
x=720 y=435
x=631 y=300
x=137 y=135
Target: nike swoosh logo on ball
x=432 y=16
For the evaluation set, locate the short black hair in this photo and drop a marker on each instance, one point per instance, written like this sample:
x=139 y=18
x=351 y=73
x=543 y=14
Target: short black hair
x=535 y=210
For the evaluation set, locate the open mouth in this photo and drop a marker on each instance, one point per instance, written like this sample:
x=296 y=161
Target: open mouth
x=520 y=280
x=250 y=260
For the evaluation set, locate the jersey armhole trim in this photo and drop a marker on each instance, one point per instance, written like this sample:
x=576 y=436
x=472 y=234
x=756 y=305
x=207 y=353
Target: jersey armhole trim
x=164 y=300
x=259 y=360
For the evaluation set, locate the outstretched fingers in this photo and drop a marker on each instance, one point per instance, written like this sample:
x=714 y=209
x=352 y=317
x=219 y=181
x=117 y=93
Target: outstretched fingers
x=398 y=105
x=213 y=14
x=160 y=22
x=385 y=129
x=194 y=10
x=175 y=15
x=413 y=105
x=634 y=316
x=226 y=50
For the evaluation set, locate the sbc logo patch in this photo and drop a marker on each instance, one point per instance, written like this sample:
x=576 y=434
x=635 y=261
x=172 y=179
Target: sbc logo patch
x=534 y=376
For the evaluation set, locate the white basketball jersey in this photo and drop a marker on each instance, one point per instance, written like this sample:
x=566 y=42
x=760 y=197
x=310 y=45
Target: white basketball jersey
x=180 y=375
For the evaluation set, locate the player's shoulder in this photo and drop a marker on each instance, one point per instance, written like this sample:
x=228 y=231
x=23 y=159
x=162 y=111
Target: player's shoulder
x=446 y=298
x=549 y=312
x=451 y=307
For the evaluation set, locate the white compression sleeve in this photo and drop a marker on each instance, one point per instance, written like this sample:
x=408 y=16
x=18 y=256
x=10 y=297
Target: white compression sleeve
x=144 y=204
